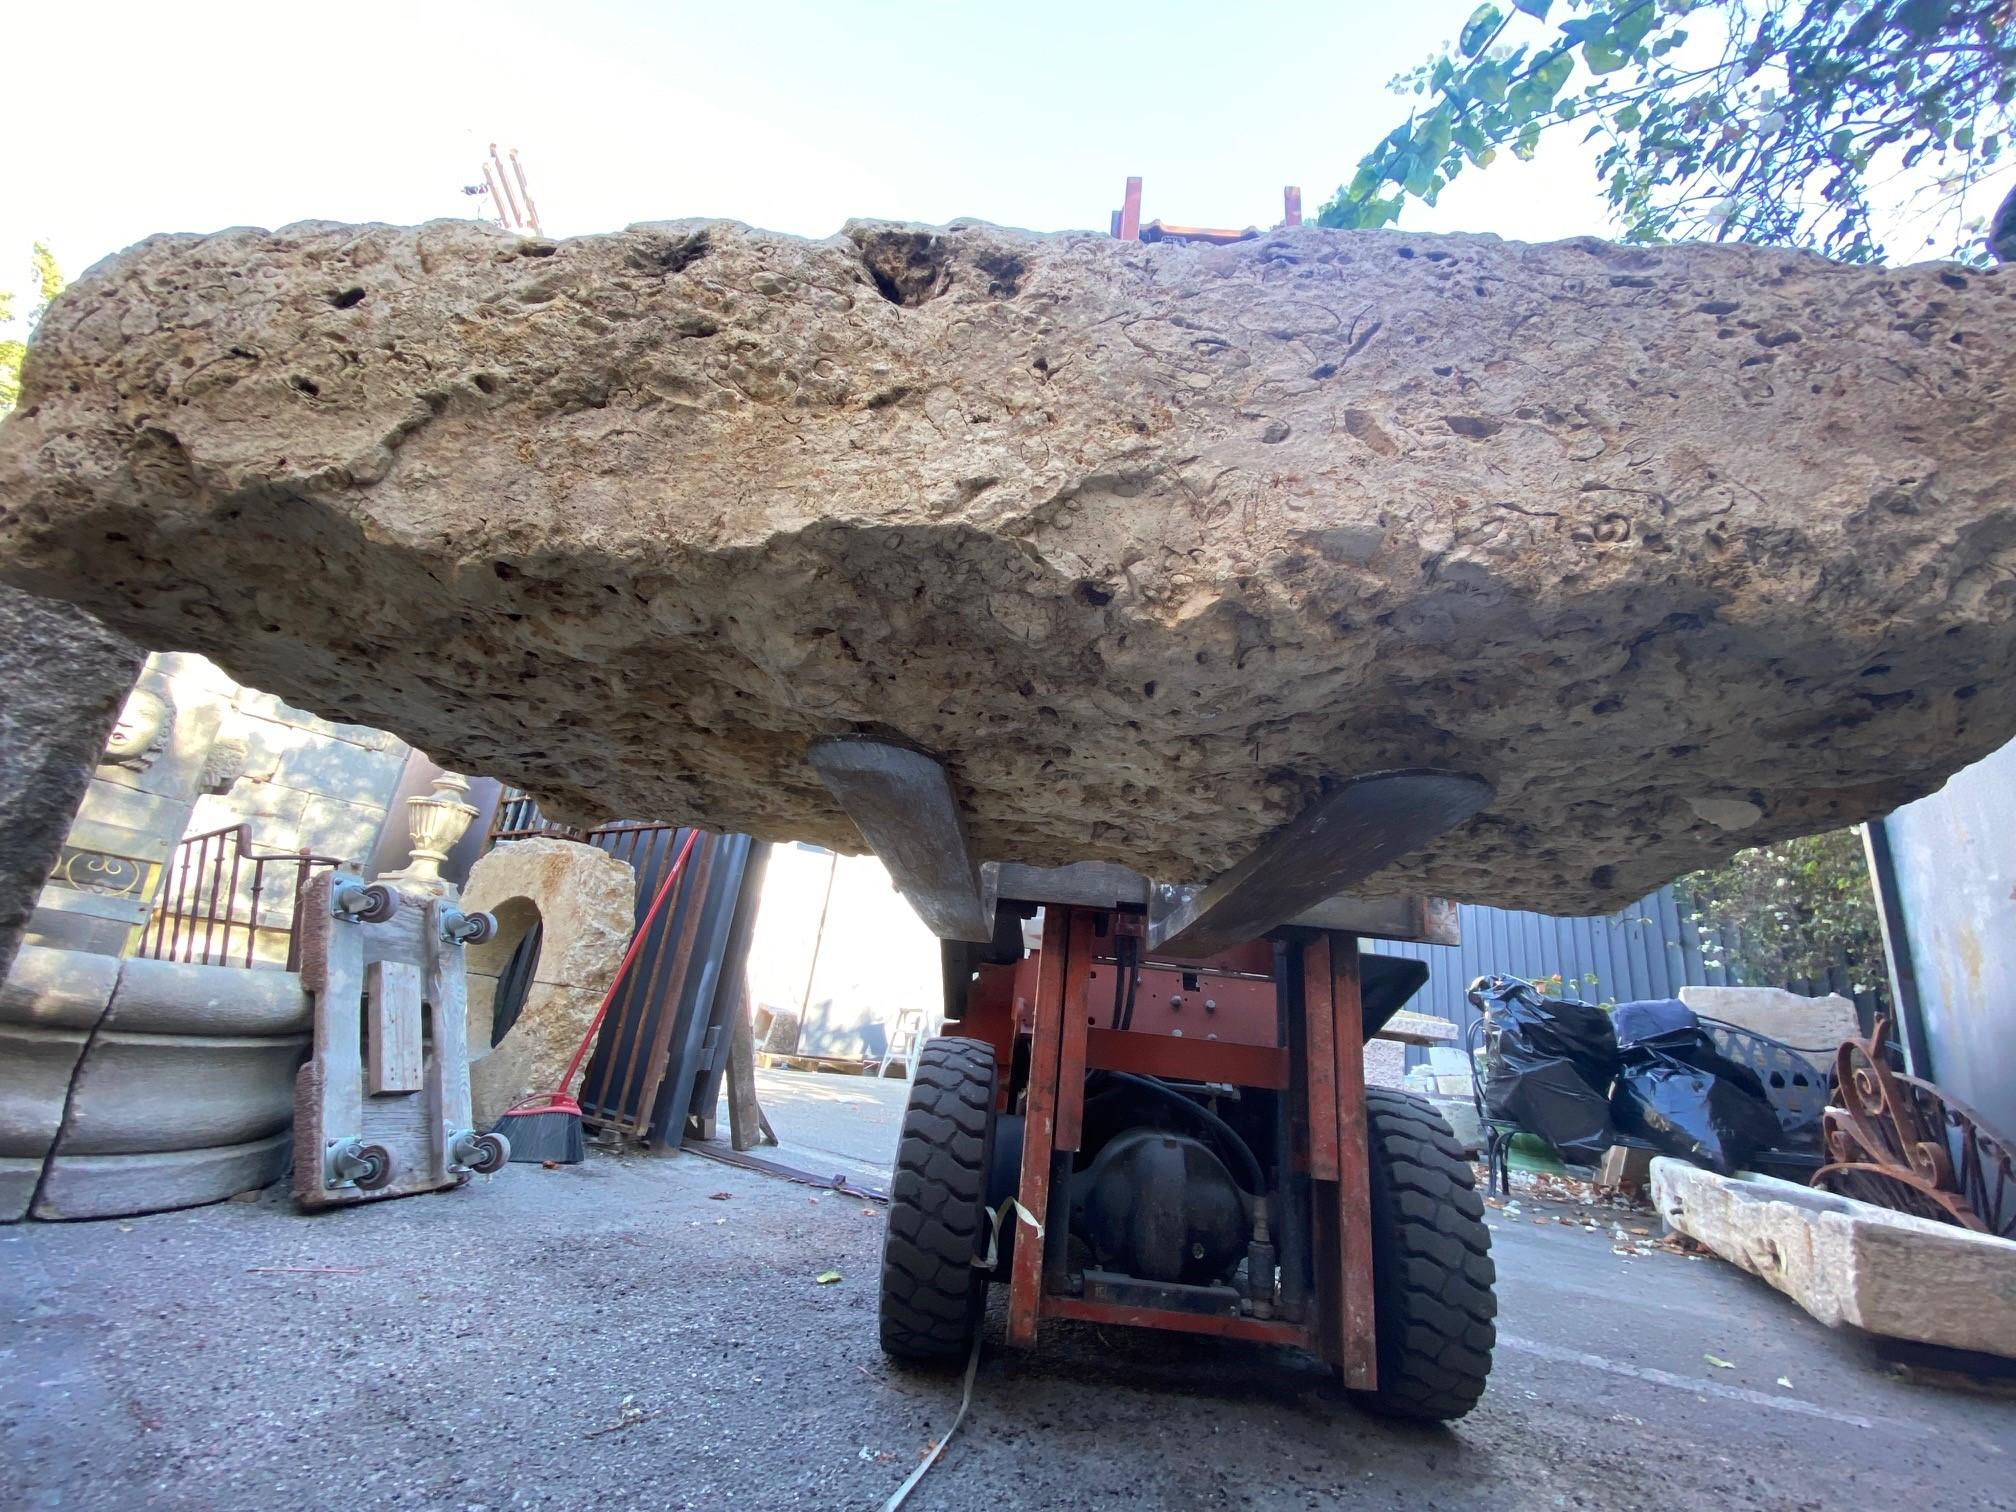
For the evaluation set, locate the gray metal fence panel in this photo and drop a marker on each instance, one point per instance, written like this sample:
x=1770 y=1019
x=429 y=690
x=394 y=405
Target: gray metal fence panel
x=1650 y=949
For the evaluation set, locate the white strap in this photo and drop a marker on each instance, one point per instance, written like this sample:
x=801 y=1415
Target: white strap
x=965 y=1400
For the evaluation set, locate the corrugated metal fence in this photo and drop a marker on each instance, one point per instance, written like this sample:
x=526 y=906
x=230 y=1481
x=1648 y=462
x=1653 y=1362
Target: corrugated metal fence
x=1649 y=950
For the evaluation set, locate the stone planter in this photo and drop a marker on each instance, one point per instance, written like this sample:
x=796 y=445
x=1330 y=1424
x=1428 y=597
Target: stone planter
x=138 y=1085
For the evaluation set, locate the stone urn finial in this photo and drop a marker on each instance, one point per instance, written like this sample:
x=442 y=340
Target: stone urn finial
x=436 y=821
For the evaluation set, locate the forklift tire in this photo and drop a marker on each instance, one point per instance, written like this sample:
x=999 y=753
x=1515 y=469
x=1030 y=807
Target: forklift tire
x=933 y=1295
x=1431 y=1264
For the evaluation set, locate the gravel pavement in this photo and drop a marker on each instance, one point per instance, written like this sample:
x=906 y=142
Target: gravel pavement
x=613 y=1336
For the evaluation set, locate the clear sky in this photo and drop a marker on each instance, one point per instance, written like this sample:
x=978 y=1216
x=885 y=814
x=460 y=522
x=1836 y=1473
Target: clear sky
x=794 y=116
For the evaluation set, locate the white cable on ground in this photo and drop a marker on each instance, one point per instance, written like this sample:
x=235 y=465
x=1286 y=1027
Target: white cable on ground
x=986 y=1262
x=903 y=1491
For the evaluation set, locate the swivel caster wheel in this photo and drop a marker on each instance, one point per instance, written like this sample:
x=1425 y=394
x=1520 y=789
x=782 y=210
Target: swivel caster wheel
x=376 y=1172
x=489 y=1154
x=364 y=902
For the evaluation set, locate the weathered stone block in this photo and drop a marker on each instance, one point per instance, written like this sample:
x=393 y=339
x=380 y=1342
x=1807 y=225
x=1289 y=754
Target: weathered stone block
x=1848 y=1262
x=64 y=676
x=110 y=1186
x=1684 y=548
x=584 y=900
x=1816 y=1025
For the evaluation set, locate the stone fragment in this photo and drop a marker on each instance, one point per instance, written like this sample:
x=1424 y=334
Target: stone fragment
x=1849 y=1262
x=1814 y=1025
x=583 y=900
x=1148 y=541
x=63 y=676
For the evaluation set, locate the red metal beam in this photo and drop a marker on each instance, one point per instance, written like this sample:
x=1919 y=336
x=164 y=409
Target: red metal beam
x=1025 y=1281
x=1255 y=1330
x=1320 y=1065
x=1130 y=212
x=1187 y=1059
x=1071 y=1046
x=1359 y=1344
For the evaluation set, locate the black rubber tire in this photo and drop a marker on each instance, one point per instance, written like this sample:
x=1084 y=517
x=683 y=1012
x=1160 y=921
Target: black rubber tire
x=932 y=1293
x=1431 y=1264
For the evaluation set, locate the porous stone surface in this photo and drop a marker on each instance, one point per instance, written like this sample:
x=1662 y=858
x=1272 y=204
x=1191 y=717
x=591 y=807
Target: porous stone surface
x=1683 y=548
x=1849 y=1262
x=63 y=676
x=583 y=900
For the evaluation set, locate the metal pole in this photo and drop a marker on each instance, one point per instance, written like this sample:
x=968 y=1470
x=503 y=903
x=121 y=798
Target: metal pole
x=818 y=943
x=1890 y=916
x=531 y=210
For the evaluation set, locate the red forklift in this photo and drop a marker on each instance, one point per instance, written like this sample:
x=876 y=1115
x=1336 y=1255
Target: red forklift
x=1155 y=1114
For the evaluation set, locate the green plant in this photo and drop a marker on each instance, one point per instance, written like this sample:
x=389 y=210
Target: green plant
x=48 y=284
x=1792 y=909
x=1731 y=120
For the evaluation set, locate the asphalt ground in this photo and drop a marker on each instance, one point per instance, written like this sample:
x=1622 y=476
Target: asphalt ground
x=652 y=1332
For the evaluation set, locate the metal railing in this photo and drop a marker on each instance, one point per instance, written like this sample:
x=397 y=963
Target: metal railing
x=518 y=818
x=213 y=887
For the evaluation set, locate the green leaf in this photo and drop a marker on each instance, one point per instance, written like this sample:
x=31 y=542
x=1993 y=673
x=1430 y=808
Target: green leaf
x=826 y=1277
x=1603 y=55
x=1432 y=140
x=1537 y=9
x=1478 y=30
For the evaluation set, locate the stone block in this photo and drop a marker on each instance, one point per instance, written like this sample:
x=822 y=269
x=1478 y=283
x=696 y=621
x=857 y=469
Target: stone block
x=584 y=901
x=340 y=827
x=257 y=705
x=57 y=989
x=111 y=1186
x=36 y=1065
x=143 y=1093
x=1151 y=540
x=1461 y=1112
x=65 y=676
x=1816 y=1025
x=1385 y=1063
x=18 y=1177
x=1848 y=1262
x=174 y=997
x=1624 y=1168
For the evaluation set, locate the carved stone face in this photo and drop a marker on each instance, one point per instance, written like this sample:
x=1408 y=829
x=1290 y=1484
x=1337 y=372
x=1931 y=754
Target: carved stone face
x=142 y=731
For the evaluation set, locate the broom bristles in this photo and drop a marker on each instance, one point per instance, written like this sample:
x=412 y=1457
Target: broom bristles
x=548 y=1132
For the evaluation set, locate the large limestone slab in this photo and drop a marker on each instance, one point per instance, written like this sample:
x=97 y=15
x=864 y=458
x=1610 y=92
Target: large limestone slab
x=1849 y=1262
x=1683 y=548
x=583 y=901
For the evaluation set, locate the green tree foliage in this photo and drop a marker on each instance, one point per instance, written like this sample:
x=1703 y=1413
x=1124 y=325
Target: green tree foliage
x=1792 y=909
x=1732 y=120
x=48 y=284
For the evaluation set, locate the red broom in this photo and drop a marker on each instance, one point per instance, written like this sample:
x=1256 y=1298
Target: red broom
x=549 y=1129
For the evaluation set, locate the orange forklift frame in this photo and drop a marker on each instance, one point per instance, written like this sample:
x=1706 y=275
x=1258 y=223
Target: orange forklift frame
x=1046 y=1000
